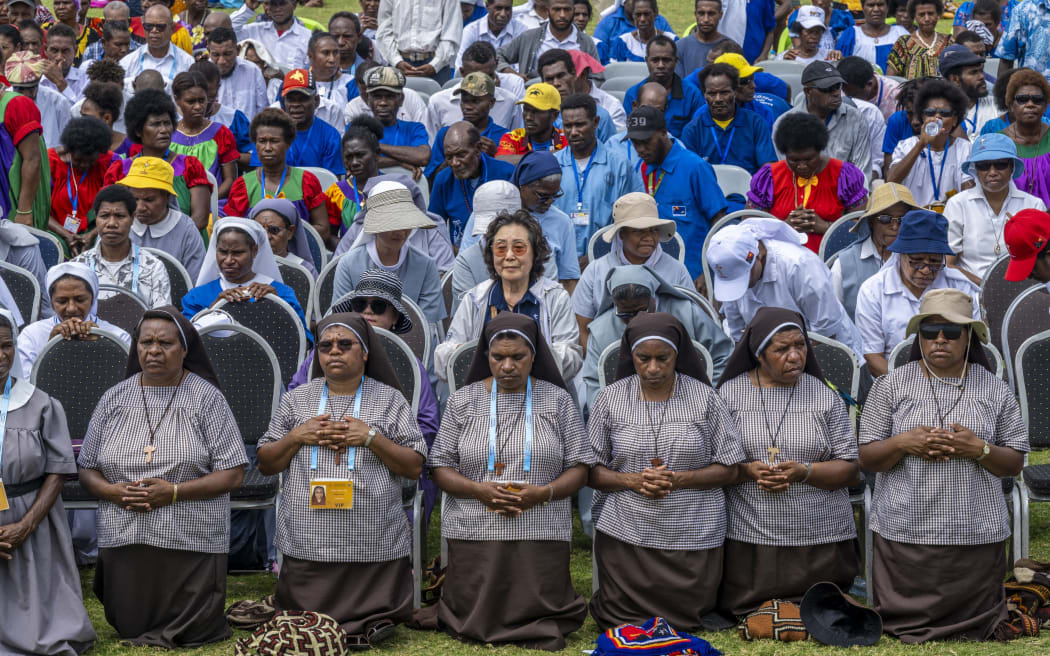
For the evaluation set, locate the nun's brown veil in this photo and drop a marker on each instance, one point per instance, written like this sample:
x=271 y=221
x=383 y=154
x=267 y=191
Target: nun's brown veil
x=543 y=365
x=377 y=366
x=667 y=328
x=196 y=357
x=767 y=322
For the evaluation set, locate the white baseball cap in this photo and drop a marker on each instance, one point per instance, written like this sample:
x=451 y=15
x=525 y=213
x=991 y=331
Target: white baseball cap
x=808 y=16
x=492 y=198
x=731 y=256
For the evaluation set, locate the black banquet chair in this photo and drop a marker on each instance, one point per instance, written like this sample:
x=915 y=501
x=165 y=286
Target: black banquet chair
x=299 y=279
x=277 y=323
x=177 y=275
x=24 y=288
x=459 y=365
x=121 y=307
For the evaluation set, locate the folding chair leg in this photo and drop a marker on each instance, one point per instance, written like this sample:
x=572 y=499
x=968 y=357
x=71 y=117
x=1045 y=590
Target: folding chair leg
x=417 y=549
x=444 y=542
x=594 y=569
x=868 y=548
x=1015 y=526
x=1024 y=502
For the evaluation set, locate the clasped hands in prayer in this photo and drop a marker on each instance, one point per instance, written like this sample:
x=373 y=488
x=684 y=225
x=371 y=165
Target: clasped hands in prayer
x=777 y=477
x=499 y=497
x=940 y=444
x=335 y=435
x=255 y=291
x=143 y=495
x=806 y=220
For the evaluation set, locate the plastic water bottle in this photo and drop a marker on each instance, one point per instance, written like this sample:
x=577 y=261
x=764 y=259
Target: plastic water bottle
x=933 y=128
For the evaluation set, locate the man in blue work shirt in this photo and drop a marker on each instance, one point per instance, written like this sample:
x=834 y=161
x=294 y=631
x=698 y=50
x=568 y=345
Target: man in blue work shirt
x=477 y=97
x=558 y=70
x=692 y=198
x=722 y=133
x=452 y=195
x=683 y=101
x=592 y=175
x=404 y=143
x=316 y=142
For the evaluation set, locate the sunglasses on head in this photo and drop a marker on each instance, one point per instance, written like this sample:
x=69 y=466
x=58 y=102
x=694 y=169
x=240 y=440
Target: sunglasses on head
x=343 y=344
x=378 y=305
x=519 y=248
x=934 y=111
x=154 y=27
x=951 y=331
x=1025 y=99
x=998 y=165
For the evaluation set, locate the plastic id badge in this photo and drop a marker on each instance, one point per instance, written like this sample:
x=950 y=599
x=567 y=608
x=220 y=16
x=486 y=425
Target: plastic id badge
x=331 y=494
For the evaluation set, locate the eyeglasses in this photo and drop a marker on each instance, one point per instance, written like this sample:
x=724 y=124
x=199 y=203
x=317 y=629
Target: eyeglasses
x=274 y=230
x=378 y=305
x=519 y=248
x=154 y=27
x=951 y=331
x=544 y=198
x=343 y=344
x=1025 y=99
x=998 y=165
x=627 y=316
x=919 y=265
x=886 y=219
x=934 y=111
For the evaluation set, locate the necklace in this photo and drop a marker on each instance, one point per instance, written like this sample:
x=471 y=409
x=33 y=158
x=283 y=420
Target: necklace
x=151 y=447
x=338 y=416
x=654 y=428
x=500 y=465
x=942 y=415
x=927 y=46
x=773 y=450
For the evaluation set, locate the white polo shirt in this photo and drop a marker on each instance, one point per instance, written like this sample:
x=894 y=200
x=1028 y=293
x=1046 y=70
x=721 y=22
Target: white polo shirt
x=975 y=231
x=946 y=165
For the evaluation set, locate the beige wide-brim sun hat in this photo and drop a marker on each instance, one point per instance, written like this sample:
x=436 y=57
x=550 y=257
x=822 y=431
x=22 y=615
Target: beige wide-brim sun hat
x=638 y=211
x=389 y=207
x=954 y=306
x=883 y=198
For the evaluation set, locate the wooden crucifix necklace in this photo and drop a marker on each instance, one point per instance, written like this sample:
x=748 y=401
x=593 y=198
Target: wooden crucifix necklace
x=655 y=428
x=773 y=450
x=152 y=446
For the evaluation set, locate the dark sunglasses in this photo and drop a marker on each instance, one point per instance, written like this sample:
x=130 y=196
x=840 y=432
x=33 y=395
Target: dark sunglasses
x=343 y=344
x=951 y=331
x=154 y=27
x=378 y=305
x=943 y=113
x=1025 y=99
x=919 y=265
x=626 y=316
x=886 y=219
x=998 y=165
x=543 y=198
x=274 y=230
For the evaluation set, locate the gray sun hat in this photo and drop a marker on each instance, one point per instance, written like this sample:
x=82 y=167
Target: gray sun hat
x=376 y=283
x=390 y=207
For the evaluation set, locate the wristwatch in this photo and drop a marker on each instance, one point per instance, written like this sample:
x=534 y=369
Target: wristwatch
x=371 y=436
x=984 y=452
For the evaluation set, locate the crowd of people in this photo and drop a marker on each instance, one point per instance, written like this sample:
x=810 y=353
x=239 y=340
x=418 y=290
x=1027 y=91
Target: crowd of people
x=513 y=204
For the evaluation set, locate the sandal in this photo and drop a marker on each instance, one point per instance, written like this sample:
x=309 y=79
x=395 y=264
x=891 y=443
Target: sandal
x=380 y=632
x=357 y=642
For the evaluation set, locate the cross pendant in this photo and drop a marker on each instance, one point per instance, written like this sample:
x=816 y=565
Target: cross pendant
x=337 y=457
x=499 y=469
x=656 y=462
x=772 y=451
x=148 y=450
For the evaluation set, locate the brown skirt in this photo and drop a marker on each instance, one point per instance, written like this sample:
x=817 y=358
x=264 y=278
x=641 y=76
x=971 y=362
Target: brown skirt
x=163 y=597
x=756 y=573
x=926 y=592
x=516 y=592
x=637 y=583
x=357 y=595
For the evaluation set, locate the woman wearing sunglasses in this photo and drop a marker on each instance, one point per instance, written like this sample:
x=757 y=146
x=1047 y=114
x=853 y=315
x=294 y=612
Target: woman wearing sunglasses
x=931 y=164
x=1027 y=96
x=977 y=217
x=941 y=432
x=288 y=240
x=516 y=254
x=887 y=300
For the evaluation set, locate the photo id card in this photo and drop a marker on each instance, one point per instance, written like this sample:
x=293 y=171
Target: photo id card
x=331 y=494
x=3 y=497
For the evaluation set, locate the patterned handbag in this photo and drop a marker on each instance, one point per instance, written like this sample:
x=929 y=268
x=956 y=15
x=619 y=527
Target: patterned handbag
x=295 y=633
x=774 y=620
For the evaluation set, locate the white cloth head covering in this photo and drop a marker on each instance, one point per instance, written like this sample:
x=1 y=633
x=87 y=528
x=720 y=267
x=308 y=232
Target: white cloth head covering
x=22 y=389
x=264 y=265
x=14 y=234
x=78 y=270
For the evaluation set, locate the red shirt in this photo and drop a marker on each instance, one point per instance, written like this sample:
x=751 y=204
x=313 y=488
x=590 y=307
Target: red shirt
x=839 y=185
x=83 y=185
x=516 y=142
x=21 y=118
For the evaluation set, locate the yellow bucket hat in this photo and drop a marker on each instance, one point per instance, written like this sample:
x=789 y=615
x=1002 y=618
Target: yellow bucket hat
x=150 y=173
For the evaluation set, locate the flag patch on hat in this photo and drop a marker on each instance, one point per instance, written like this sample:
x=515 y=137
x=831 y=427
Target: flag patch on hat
x=750 y=256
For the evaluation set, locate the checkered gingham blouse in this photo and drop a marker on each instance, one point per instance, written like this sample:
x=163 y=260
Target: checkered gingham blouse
x=199 y=436
x=697 y=431
x=376 y=528
x=957 y=502
x=559 y=443
x=816 y=429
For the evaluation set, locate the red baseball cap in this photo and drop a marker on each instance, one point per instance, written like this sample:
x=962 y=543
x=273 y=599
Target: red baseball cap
x=301 y=80
x=581 y=61
x=1026 y=235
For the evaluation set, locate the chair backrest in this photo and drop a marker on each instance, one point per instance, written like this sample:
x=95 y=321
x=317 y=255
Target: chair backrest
x=899 y=355
x=839 y=364
x=422 y=85
x=621 y=83
x=1032 y=364
x=597 y=246
x=1028 y=315
x=794 y=82
x=447 y=296
x=838 y=236
x=78 y=372
x=617 y=69
x=324 y=287
x=419 y=338
x=405 y=365
x=299 y=279
x=177 y=275
x=318 y=250
x=616 y=93
x=214 y=200
x=704 y=304
x=51 y=249
x=997 y=293
x=278 y=324
x=779 y=66
x=452 y=83
x=248 y=373
x=732 y=179
x=25 y=290
x=459 y=365
x=121 y=307
x=732 y=218
x=324 y=177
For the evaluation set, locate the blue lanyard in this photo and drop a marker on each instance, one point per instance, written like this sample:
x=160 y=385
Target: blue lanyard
x=972 y=122
x=174 y=61
x=134 y=266
x=937 y=179
x=729 y=144
x=351 y=453
x=357 y=194
x=579 y=182
x=3 y=417
x=74 y=198
x=878 y=101
x=528 y=427
x=280 y=185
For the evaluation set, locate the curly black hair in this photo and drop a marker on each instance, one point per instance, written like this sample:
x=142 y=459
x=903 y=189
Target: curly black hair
x=86 y=135
x=798 y=131
x=941 y=88
x=366 y=128
x=115 y=193
x=913 y=6
x=271 y=117
x=541 y=251
x=108 y=97
x=146 y=103
x=105 y=70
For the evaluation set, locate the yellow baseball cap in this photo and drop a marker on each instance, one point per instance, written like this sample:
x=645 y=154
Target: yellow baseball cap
x=542 y=96
x=150 y=173
x=739 y=63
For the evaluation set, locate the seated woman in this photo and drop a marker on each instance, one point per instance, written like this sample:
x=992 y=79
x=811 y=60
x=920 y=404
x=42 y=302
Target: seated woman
x=1027 y=98
x=807 y=188
x=162 y=454
x=888 y=299
x=150 y=118
x=790 y=522
x=73 y=290
x=197 y=135
x=104 y=100
x=78 y=169
x=272 y=131
x=664 y=445
x=285 y=231
x=383 y=244
x=874 y=39
x=941 y=428
x=516 y=254
x=346 y=198
x=354 y=564
x=508 y=515
x=630 y=46
x=876 y=231
x=916 y=55
x=239 y=267
x=42 y=605
x=931 y=166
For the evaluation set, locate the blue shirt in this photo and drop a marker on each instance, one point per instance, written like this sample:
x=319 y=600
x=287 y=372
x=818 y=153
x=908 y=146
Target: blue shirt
x=746 y=142
x=529 y=305
x=761 y=19
x=1026 y=39
x=618 y=23
x=771 y=104
x=682 y=103
x=437 y=150
x=320 y=145
x=561 y=238
x=606 y=128
x=764 y=83
x=898 y=128
x=688 y=194
x=241 y=129
x=588 y=196
x=453 y=199
x=405 y=133
x=622 y=145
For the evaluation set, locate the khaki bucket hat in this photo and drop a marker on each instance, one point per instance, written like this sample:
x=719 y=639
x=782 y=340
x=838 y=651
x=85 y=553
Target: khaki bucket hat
x=954 y=305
